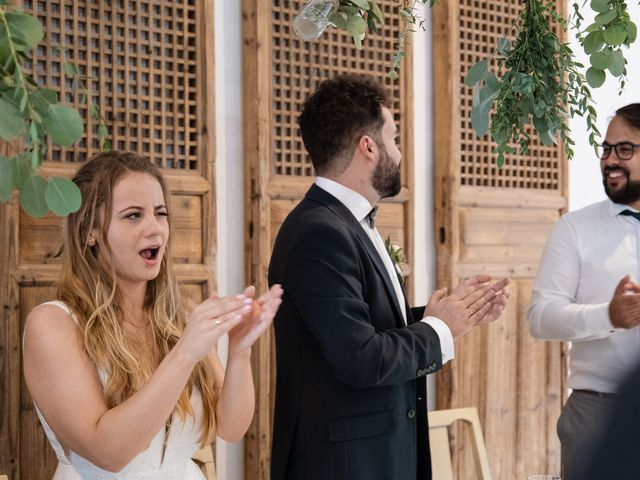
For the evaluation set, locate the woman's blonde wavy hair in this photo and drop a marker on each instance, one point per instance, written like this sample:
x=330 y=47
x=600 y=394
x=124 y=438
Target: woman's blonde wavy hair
x=88 y=285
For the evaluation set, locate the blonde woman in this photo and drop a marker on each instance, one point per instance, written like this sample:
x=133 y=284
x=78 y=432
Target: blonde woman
x=128 y=384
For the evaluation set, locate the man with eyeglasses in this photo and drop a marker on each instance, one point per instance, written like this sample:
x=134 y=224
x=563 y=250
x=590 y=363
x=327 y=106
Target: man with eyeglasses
x=586 y=291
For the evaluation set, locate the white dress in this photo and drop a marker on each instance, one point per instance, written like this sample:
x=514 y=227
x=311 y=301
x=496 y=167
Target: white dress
x=182 y=442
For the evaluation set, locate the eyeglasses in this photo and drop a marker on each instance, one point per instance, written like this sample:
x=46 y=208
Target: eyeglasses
x=624 y=150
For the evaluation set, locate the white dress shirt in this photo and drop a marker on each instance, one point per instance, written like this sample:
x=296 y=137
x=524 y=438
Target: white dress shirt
x=360 y=208
x=587 y=254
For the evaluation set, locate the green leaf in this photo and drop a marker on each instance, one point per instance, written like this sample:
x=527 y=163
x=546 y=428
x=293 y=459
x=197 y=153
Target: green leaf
x=544 y=131
x=503 y=46
x=601 y=60
x=339 y=19
x=6 y=179
x=492 y=84
x=70 y=69
x=479 y=121
x=600 y=6
x=62 y=196
x=63 y=124
x=25 y=30
x=615 y=35
x=363 y=4
x=594 y=27
x=11 y=124
x=42 y=98
x=477 y=72
x=356 y=26
x=593 y=42
x=22 y=170
x=480 y=114
x=32 y=197
x=595 y=77
x=632 y=32
x=617 y=64
x=606 y=17
x=376 y=12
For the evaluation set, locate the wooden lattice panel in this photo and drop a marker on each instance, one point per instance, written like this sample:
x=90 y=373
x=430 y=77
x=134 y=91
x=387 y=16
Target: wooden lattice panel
x=298 y=66
x=481 y=24
x=142 y=63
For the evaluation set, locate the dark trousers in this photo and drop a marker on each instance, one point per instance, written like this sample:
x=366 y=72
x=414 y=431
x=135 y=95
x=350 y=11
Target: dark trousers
x=581 y=421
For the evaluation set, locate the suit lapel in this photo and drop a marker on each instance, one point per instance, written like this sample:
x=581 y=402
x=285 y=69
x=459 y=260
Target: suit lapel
x=317 y=194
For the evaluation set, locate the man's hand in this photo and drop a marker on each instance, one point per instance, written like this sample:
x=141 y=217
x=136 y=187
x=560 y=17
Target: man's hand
x=474 y=301
x=624 y=308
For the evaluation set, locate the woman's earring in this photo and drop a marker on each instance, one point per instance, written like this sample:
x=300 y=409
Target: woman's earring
x=91 y=241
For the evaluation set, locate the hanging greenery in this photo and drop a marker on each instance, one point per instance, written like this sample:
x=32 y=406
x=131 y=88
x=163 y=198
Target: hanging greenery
x=33 y=114
x=540 y=84
x=603 y=39
x=537 y=80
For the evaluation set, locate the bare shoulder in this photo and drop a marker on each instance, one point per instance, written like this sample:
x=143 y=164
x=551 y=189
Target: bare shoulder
x=48 y=319
x=50 y=331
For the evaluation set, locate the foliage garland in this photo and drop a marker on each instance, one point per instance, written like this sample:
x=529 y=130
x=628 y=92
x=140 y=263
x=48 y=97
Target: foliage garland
x=33 y=114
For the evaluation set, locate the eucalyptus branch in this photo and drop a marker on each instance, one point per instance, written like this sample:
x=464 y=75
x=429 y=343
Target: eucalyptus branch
x=541 y=85
x=32 y=112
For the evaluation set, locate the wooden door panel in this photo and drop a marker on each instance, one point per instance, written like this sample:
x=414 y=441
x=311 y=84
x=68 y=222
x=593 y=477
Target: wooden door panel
x=154 y=85
x=496 y=221
x=280 y=72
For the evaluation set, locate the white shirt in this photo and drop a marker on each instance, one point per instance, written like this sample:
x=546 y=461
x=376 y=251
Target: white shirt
x=586 y=256
x=360 y=208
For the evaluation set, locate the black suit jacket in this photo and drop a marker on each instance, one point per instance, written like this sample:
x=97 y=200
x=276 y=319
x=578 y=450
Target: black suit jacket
x=350 y=380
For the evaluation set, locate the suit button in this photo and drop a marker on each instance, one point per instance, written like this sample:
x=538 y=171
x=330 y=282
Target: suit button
x=411 y=413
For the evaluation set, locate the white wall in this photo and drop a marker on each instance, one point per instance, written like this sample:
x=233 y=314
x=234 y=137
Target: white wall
x=229 y=185
x=585 y=182
x=424 y=273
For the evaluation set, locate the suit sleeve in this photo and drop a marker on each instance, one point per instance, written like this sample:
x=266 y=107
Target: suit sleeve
x=324 y=279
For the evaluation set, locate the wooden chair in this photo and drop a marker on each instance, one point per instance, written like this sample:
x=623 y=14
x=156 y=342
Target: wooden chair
x=204 y=459
x=439 y=422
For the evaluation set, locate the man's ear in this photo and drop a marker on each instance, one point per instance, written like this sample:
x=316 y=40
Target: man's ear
x=368 y=147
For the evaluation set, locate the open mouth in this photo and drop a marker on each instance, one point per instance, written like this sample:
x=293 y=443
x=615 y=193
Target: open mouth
x=149 y=253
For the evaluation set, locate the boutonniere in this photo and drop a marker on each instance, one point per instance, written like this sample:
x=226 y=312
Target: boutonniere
x=398 y=258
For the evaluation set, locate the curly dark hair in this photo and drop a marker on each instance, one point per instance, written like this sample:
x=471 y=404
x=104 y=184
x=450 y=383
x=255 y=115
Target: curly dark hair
x=335 y=117
x=630 y=114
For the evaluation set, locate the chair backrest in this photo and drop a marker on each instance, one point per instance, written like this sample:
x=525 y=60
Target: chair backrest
x=439 y=423
x=204 y=459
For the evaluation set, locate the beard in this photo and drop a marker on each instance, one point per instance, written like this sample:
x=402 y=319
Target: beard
x=628 y=193
x=386 y=177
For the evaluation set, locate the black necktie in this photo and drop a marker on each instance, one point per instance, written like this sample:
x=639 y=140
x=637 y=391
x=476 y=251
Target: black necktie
x=371 y=217
x=631 y=213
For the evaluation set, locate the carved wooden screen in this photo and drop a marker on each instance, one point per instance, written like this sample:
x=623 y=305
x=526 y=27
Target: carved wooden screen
x=150 y=69
x=280 y=71
x=496 y=221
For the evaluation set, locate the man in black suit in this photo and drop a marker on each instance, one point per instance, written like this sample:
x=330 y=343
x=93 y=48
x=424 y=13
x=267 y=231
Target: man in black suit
x=352 y=357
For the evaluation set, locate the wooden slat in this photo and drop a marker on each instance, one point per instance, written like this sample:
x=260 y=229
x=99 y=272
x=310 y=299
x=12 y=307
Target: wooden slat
x=38 y=459
x=510 y=198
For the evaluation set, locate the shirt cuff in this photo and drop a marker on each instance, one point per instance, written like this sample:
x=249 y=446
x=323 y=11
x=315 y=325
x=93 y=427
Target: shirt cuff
x=444 y=334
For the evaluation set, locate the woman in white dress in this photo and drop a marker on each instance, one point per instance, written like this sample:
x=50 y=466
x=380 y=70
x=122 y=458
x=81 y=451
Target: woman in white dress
x=127 y=382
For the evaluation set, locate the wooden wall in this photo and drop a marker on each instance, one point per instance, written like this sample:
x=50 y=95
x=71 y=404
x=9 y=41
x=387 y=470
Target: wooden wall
x=280 y=71
x=151 y=69
x=494 y=221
